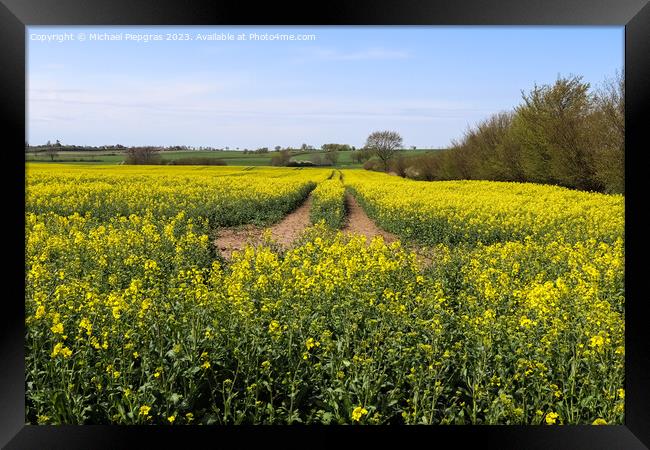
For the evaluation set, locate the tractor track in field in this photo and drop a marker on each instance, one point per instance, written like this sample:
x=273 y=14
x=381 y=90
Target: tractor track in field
x=286 y=231
x=358 y=222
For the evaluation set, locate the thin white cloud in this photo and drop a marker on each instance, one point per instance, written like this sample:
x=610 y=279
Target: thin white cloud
x=210 y=108
x=191 y=100
x=119 y=92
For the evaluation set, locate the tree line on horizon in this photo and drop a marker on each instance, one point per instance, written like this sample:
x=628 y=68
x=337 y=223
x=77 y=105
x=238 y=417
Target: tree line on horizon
x=564 y=134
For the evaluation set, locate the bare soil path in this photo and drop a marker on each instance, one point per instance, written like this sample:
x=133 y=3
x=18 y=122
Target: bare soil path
x=291 y=226
x=288 y=229
x=358 y=222
x=283 y=233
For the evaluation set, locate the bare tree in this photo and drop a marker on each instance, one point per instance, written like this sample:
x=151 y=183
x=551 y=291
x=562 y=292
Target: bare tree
x=282 y=158
x=362 y=155
x=142 y=155
x=332 y=156
x=384 y=145
x=52 y=150
x=399 y=165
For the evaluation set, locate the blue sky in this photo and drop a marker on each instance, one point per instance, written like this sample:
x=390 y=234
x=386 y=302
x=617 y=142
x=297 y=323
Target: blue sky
x=427 y=83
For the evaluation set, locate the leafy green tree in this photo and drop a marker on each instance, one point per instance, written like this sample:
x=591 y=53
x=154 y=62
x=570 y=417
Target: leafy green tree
x=609 y=132
x=553 y=126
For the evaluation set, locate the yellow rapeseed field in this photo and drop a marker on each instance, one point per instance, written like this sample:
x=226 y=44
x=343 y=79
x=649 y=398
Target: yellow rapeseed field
x=486 y=211
x=224 y=195
x=132 y=317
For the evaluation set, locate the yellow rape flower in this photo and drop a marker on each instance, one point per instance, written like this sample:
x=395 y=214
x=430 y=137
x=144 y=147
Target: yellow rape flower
x=274 y=327
x=85 y=324
x=40 y=312
x=551 y=418
x=60 y=349
x=597 y=341
x=311 y=343
x=358 y=413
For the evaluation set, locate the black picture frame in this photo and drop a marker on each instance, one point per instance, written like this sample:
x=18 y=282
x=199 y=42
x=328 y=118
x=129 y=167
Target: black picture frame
x=15 y=15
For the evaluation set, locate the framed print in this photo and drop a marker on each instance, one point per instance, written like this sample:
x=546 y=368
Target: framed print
x=359 y=221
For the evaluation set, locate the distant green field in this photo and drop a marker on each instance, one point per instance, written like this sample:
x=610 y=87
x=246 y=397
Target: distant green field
x=78 y=158
x=232 y=157
x=345 y=158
